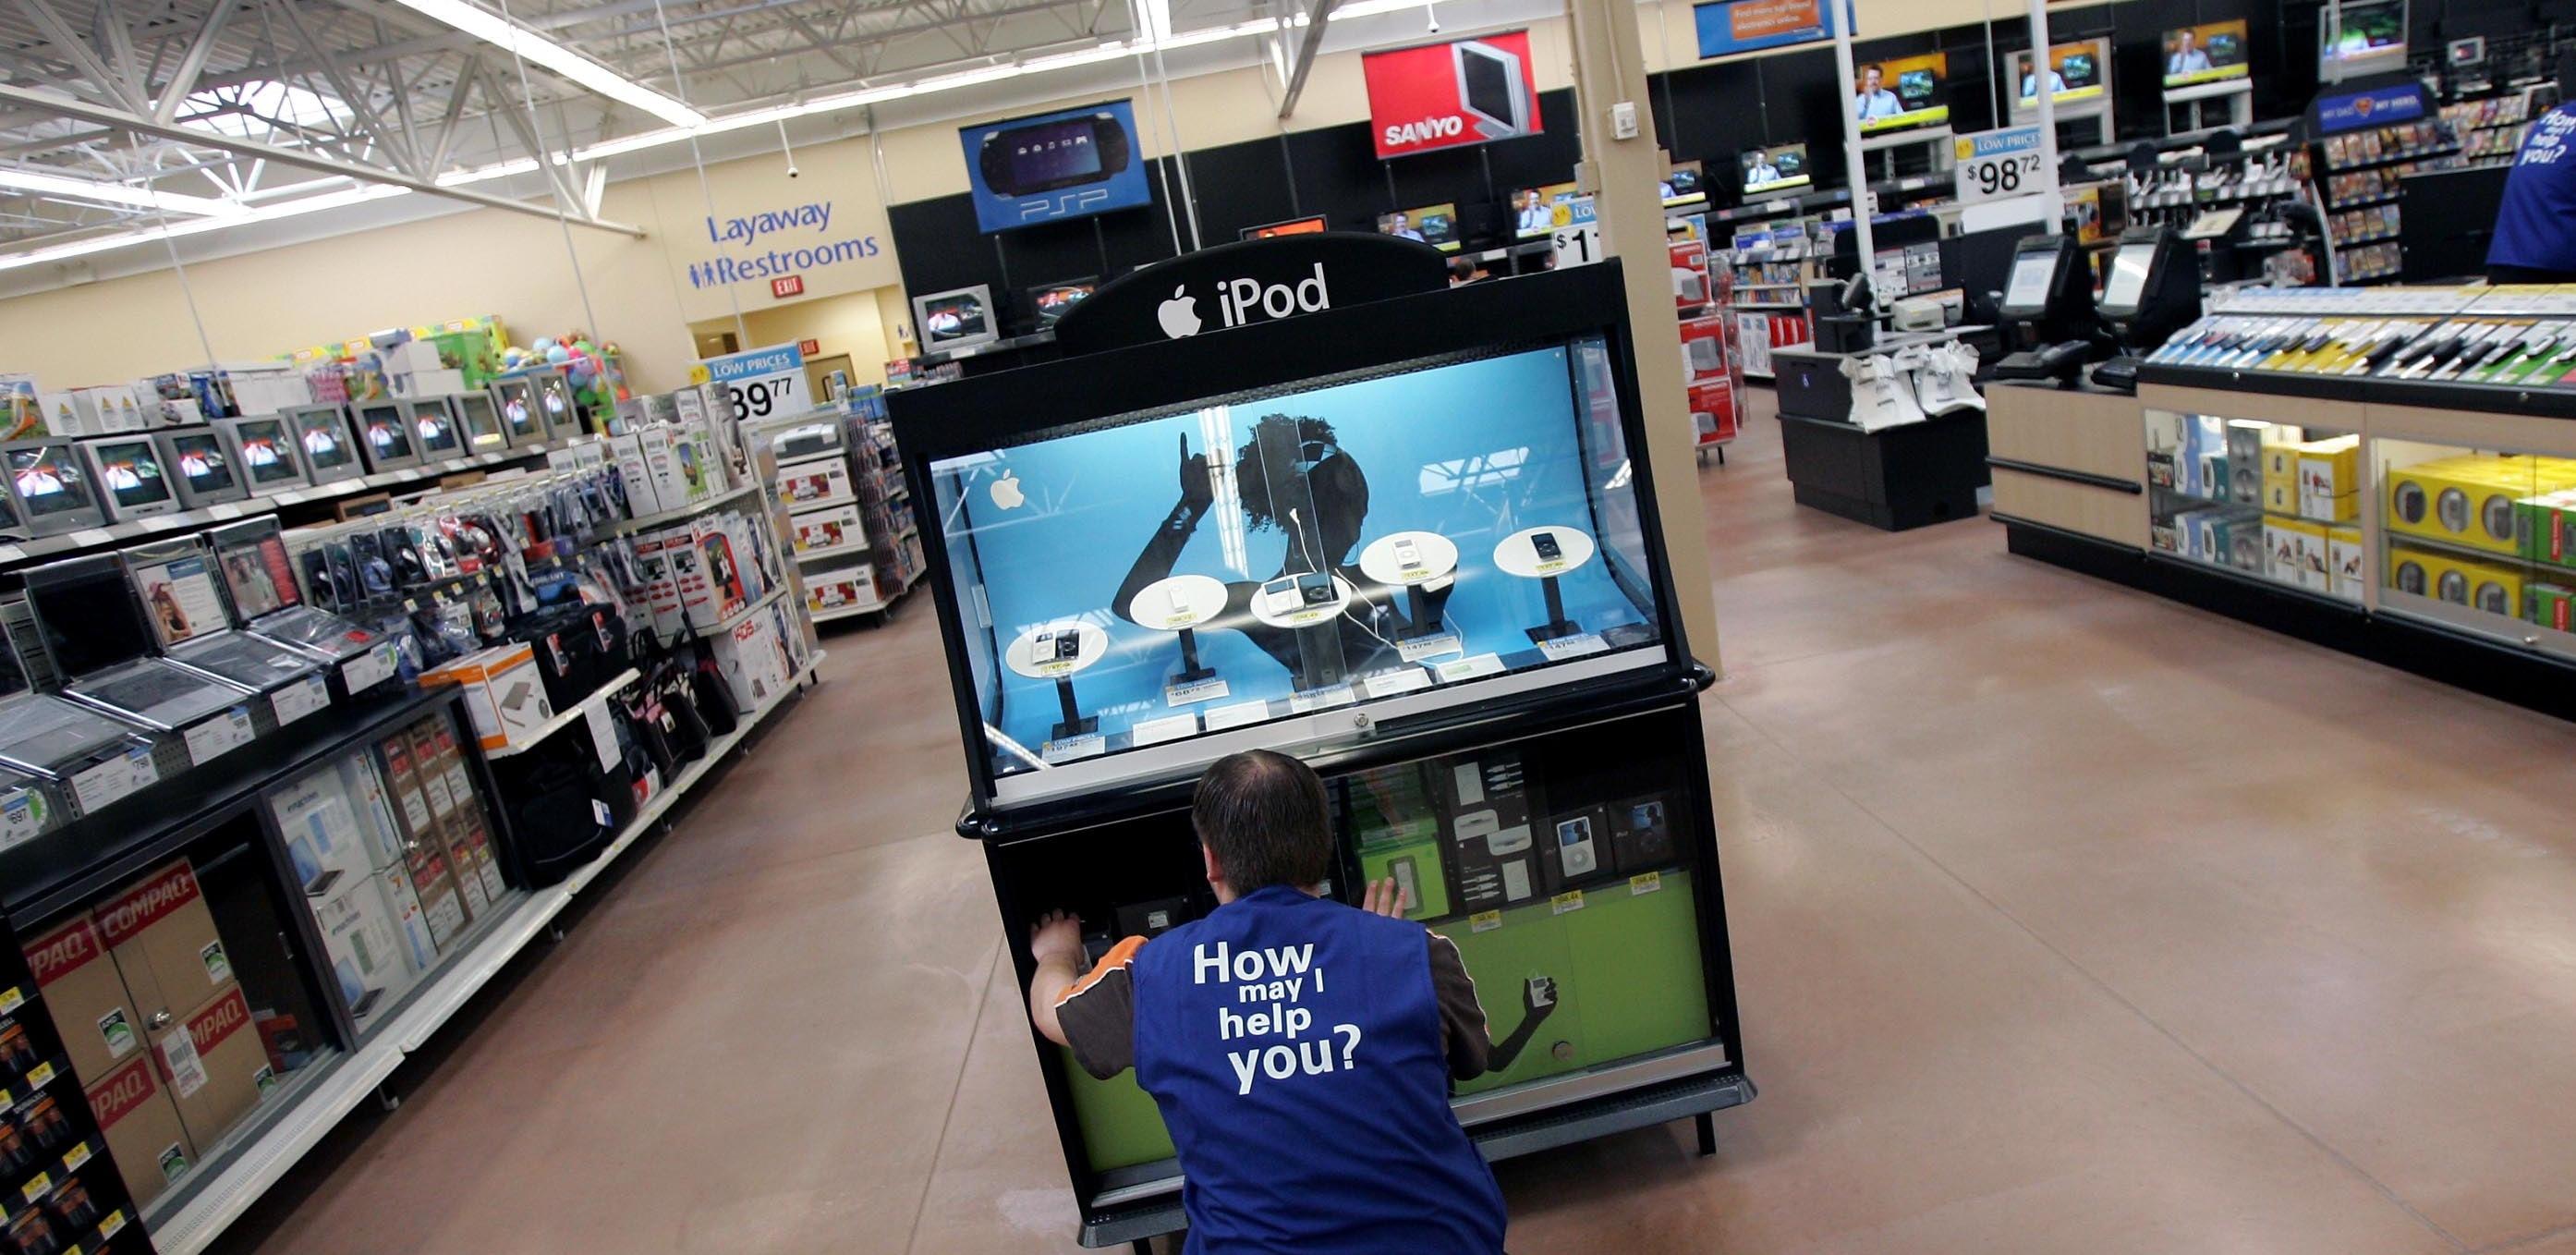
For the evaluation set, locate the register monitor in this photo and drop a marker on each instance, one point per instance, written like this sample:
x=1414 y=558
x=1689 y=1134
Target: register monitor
x=2153 y=291
x=2047 y=310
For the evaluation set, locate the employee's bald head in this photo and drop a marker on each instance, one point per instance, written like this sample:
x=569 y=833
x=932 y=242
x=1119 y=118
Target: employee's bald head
x=1264 y=818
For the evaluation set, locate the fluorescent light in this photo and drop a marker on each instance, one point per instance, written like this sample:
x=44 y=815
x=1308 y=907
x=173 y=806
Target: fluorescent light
x=199 y=226
x=112 y=193
x=494 y=29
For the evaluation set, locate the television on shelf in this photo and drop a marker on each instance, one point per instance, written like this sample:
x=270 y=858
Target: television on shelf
x=2372 y=31
x=1539 y=211
x=2077 y=72
x=1775 y=169
x=2205 y=53
x=1435 y=225
x=1054 y=300
x=1902 y=93
x=1686 y=185
x=1311 y=225
x=956 y=319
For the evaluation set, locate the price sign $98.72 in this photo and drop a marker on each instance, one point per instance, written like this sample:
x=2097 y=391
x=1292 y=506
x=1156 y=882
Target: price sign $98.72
x=1996 y=165
x=764 y=396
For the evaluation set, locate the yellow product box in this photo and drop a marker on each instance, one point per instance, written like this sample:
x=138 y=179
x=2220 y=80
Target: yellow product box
x=2463 y=500
x=2346 y=568
x=2295 y=552
x=2280 y=457
x=2330 y=467
x=2493 y=587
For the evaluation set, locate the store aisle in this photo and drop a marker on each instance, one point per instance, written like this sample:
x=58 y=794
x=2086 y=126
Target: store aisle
x=2066 y=919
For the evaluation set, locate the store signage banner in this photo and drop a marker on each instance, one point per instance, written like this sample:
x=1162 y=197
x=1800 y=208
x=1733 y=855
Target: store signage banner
x=1237 y=285
x=1055 y=167
x=2378 y=106
x=1727 y=27
x=759 y=383
x=729 y=239
x=1996 y=165
x=1464 y=91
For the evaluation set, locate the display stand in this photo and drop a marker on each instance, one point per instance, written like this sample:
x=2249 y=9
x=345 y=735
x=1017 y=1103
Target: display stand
x=1596 y=732
x=2204 y=107
x=1041 y=654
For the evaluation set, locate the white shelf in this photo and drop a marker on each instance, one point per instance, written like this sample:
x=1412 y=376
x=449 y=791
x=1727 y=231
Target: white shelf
x=258 y=1163
x=563 y=718
x=649 y=521
x=731 y=620
x=848 y=612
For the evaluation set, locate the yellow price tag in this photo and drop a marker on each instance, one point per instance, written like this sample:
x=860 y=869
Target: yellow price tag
x=12 y=998
x=36 y=1186
x=1645 y=883
x=1570 y=900
x=113 y=1225
x=40 y=1074
x=1484 y=921
x=75 y=1157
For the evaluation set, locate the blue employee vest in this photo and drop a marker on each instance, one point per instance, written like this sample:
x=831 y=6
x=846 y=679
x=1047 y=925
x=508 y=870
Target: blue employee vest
x=2536 y=224
x=1295 y=1048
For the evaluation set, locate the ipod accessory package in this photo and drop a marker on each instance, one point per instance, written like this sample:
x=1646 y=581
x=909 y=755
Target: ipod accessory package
x=1545 y=544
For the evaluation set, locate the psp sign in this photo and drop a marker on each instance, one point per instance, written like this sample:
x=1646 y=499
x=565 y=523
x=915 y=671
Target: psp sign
x=1240 y=301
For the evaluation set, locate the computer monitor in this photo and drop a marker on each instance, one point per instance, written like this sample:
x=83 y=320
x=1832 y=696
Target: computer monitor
x=2371 y=38
x=1052 y=301
x=484 y=432
x=1902 y=93
x=956 y=319
x=330 y=452
x=2048 y=293
x=132 y=483
x=1311 y=225
x=201 y=468
x=1435 y=225
x=2153 y=289
x=265 y=451
x=441 y=437
x=1686 y=185
x=53 y=485
x=86 y=614
x=2077 y=72
x=1774 y=170
x=517 y=400
x=1492 y=88
x=2205 y=53
x=385 y=435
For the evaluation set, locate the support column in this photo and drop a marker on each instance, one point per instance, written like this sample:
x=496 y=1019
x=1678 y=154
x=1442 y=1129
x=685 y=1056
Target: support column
x=1623 y=175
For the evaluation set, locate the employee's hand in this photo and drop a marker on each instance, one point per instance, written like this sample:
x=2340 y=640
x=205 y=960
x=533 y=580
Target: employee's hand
x=1385 y=897
x=1057 y=936
x=1198 y=486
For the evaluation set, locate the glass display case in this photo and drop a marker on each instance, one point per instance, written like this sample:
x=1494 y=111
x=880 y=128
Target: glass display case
x=1159 y=587
x=2481 y=539
x=2273 y=501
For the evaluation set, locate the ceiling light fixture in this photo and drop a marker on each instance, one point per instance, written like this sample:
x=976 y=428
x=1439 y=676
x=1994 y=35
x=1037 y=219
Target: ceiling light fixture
x=113 y=193
x=555 y=58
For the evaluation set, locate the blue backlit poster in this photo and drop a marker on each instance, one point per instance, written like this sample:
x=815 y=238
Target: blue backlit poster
x=1053 y=167
x=1727 y=27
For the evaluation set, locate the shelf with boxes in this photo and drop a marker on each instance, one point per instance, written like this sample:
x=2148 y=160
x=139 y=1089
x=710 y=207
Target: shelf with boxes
x=851 y=519
x=2355 y=178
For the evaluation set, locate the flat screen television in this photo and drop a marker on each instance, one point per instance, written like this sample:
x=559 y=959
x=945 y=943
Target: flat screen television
x=1901 y=93
x=1294 y=226
x=1054 y=300
x=2077 y=72
x=1539 y=211
x=1774 y=169
x=1686 y=185
x=2372 y=31
x=2205 y=53
x=1435 y=225
x=955 y=319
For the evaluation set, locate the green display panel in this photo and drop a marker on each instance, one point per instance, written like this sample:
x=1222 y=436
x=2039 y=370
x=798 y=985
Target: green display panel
x=1620 y=964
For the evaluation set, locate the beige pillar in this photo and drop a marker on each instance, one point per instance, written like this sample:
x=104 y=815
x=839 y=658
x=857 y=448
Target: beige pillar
x=1622 y=174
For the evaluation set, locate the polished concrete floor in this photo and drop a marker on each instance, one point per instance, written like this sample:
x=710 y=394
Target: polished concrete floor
x=2066 y=920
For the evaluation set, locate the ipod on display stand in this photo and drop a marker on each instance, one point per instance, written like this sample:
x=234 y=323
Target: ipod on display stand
x=1180 y=604
x=1543 y=554
x=1055 y=651
x=1420 y=563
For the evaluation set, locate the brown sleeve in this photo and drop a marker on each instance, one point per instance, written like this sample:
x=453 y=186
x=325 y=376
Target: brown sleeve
x=1098 y=1014
x=1462 y=1018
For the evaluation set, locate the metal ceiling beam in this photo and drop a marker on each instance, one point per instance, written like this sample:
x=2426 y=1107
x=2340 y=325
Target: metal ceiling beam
x=183 y=79
x=101 y=79
x=1306 y=48
x=101 y=115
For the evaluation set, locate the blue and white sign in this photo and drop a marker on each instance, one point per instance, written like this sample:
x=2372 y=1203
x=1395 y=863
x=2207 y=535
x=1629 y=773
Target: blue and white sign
x=2377 y=106
x=1997 y=165
x=1727 y=27
x=760 y=383
x=1055 y=166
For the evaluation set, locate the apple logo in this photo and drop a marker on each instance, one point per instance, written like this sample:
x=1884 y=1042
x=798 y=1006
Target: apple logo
x=1006 y=492
x=1179 y=316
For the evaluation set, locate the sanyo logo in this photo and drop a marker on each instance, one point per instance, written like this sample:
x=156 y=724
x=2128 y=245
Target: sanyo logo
x=1240 y=301
x=1425 y=131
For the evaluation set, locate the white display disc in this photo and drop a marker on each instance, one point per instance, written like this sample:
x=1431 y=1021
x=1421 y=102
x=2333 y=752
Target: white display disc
x=1047 y=661
x=1272 y=605
x=1518 y=554
x=1433 y=554
x=1181 y=601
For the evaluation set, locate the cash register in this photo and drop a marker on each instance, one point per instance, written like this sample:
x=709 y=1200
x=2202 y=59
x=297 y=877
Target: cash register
x=2153 y=292
x=2050 y=327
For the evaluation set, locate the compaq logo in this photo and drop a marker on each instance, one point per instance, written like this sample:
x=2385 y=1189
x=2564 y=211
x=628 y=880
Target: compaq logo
x=145 y=904
x=1405 y=133
x=218 y=1022
x=124 y=1090
x=1241 y=301
x=62 y=953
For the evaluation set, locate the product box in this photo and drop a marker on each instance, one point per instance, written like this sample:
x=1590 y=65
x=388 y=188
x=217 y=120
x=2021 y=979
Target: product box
x=2245 y=438
x=2467 y=500
x=450 y=815
x=324 y=841
x=829 y=530
x=683 y=463
x=2164 y=448
x=164 y=940
x=471 y=831
x=142 y=1128
x=833 y=588
x=754 y=661
x=1641 y=833
x=2346 y=568
x=1491 y=846
x=92 y=1012
x=688 y=574
x=410 y=922
x=2546 y=525
x=2550 y=605
x=2281 y=548
x=410 y=803
x=626 y=450
x=661 y=588
x=729 y=588
x=816 y=481
x=214 y=1065
x=1574 y=850
x=503 y=692
x=367 y=957
x=442 y=904
x=2330 y=479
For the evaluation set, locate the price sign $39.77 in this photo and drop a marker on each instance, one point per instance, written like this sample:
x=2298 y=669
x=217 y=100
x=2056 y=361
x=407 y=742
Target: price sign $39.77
x=1997 y=165
x=766 y=395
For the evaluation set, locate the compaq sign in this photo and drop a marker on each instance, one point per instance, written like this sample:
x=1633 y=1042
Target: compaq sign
x=1243 y=301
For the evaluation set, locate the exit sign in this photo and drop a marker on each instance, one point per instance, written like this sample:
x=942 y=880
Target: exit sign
x=790 y=286
x=809 y=347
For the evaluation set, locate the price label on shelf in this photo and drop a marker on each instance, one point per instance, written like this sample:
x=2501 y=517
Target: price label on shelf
x=761 y=383
x=1997 y=165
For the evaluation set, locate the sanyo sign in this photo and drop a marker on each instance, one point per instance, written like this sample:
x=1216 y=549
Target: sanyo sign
x=1242 y=301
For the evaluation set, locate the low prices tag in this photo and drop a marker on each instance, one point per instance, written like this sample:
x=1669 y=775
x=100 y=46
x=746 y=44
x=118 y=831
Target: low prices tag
x=1997 y=165
x=1577 y=245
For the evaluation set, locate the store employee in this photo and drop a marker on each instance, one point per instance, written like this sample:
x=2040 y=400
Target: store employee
x=1872 y=100
x=2535 y=231
x=1300 y=1050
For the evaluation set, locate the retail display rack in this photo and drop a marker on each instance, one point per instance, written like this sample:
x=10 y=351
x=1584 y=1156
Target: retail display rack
x=2354 y=174
x=2490 y=130
x=851 y=521
x=2390 y=471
